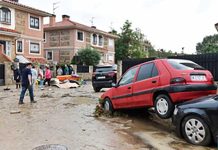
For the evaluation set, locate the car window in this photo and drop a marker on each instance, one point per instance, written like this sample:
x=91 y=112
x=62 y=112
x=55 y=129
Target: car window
x=154 y=71
x=145 y=71
x=104 y=69
x=128 y=77
x=184 y=65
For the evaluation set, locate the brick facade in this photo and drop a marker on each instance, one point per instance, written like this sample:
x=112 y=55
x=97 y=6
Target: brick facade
x=62 y=40
x=25 y=34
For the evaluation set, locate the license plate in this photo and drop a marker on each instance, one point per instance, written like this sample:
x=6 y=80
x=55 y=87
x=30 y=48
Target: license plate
x=102 y=77
x=198 y=78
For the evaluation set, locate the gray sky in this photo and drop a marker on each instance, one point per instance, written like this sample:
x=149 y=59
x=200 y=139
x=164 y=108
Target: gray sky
x=168 y=24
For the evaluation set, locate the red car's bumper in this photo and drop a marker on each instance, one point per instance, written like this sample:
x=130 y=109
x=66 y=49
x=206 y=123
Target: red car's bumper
x=186 y=92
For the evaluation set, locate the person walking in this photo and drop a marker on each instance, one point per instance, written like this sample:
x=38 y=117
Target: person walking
x=47 y=75
x=27 y=84
x=17 y=77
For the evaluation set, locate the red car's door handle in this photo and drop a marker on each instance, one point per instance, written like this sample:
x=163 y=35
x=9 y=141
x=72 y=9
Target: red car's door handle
x=129 y=87
x=154 y=81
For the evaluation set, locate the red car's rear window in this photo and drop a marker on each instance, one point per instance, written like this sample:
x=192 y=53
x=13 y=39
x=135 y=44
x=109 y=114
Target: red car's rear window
x=184 y=65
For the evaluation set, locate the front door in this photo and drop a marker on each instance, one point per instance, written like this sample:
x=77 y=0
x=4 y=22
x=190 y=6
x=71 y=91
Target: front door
x=147 y=80
x=122 y=95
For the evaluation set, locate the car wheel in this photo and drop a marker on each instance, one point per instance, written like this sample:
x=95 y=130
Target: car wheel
x=97 y=89
x=196 y=131
x=108 y=106
x=163 y=106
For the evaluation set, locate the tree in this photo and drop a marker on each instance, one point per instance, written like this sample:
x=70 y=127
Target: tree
x=89 y=56
x=208 y=45
x=130 y=43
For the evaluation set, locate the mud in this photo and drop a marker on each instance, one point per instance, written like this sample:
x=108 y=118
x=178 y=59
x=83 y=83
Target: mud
x=65 y=117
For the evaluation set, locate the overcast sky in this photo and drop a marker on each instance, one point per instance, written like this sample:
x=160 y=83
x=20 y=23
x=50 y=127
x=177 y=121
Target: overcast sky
x=167 y=24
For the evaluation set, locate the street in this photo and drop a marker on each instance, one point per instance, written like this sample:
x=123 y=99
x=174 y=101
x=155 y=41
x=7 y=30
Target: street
x=65 y=117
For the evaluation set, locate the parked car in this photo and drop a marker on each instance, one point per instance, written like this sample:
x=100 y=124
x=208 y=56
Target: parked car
x=161 y=83
x=103 y=77
x=197 y=121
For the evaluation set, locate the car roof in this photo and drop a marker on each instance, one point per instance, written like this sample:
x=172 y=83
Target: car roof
x=164 y=59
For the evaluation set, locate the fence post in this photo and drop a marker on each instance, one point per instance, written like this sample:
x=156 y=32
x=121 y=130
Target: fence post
x=91 y=69
x=119 y=69
x=75 y=68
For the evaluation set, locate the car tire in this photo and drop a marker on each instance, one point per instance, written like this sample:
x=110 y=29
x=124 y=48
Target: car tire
x=97 y=89
x=108 y=106
x=163 y=106
x=196 y=131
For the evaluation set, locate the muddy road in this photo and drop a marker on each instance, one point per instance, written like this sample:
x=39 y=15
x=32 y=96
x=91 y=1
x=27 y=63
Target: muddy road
x=65 y=116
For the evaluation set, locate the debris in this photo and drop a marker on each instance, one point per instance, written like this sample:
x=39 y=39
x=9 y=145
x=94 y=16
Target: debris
x=67 y=85
x=7 y=89
x=46 y=95
x=15 y=112
x=66 y=95
x=69 y=105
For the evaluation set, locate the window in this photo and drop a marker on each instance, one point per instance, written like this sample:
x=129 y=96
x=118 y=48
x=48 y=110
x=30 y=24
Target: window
x=44 y=37
x=111 y=57
x=80 y=36
x=111 y=43
x=94 y=39
x=100 y=40
x=154 y=71
x=20 y=46
x=128 y=77
x=7 y=49
x=184 y=65
x=97 y=40
x=5 y=15
x=49 y=55
x=34 y=22
x=147 y=71
x=34 y=48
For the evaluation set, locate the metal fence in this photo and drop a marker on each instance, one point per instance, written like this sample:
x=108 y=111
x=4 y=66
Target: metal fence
x=82 y=69
x=208 y=61
x=128 y=63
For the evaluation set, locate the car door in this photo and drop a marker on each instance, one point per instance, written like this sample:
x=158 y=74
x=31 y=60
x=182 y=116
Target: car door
x=146 y=81
x=122 y=95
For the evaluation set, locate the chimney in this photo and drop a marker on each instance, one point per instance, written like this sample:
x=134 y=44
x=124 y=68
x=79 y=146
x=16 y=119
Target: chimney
x=52 y=20
x=14 y=1
x=65 y=17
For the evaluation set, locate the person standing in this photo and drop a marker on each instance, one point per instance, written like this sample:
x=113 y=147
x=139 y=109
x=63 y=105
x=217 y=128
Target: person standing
x=59 y=71
x=34 y=75
x=40 y=77
x=17 y=77
x=66 y=70
x=27 y=84
x=47 y=75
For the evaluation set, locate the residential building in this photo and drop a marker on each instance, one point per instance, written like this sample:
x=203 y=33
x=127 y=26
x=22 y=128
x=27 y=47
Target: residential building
x=21 y=31
x=63 y=40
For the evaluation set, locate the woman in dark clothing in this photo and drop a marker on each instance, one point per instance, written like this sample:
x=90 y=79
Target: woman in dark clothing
x=17 y=77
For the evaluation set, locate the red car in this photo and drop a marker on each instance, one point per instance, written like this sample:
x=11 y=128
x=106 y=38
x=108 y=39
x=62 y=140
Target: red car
x=160 y=83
